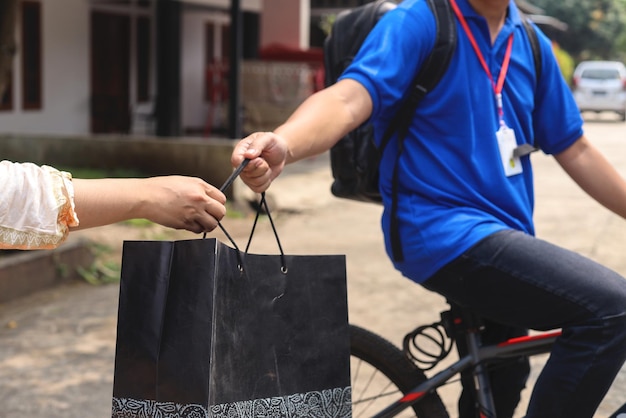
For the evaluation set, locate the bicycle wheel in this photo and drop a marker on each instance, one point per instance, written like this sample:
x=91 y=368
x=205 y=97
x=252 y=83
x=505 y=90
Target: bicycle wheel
x=380 y=373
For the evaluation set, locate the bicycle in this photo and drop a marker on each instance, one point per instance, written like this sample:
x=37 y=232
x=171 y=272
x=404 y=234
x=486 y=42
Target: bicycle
x=396 y=382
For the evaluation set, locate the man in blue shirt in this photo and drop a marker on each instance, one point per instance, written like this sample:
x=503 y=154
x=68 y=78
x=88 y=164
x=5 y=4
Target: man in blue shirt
x=465 y=202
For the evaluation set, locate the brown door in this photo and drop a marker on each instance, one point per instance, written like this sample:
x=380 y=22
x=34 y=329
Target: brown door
x=110 y=68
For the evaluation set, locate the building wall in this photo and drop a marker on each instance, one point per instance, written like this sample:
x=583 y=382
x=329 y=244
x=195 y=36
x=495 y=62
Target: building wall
x=194 y=106
x=65 y=75
x=66 y=61
x=285 y=22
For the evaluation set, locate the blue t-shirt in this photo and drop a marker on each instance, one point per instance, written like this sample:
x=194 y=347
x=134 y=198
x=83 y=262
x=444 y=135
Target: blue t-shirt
x=453 y=189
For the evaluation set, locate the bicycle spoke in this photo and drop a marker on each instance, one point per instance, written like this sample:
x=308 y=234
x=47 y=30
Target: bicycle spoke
x=380 y=372
x=371 y=390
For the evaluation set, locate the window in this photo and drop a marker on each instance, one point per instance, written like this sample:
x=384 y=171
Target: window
x=31 y=55
x=209 y=42
x=6 y=102
x=143 y=59
x=601 y=74
x=216 y=60
x=226 y=43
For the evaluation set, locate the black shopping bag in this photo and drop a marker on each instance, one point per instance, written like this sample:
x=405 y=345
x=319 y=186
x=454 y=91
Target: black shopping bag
x=205 y=330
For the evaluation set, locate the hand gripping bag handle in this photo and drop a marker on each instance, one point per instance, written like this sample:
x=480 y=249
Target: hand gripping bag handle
x=262 y=206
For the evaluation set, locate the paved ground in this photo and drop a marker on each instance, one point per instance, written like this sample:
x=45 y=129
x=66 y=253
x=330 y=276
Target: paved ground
x=57 y=346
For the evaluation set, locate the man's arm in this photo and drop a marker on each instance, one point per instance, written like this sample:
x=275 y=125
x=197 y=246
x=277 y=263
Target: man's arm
x=586 y=165
x=314 y=127
x=325 y=118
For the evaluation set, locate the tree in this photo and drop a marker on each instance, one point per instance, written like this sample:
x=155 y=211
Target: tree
x=595 y=27
x=8 y=15
x=565 y=60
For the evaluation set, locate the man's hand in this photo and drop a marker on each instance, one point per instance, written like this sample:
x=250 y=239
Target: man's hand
x=268 y=154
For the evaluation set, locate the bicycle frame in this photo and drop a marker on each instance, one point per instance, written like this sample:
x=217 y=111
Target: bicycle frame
x=476 y=359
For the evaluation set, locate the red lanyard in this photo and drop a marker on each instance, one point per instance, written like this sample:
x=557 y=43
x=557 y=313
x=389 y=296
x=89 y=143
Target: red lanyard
x=497 y=88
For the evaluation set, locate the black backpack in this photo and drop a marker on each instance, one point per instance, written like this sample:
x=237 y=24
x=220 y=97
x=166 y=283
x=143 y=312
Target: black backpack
x=355 y=158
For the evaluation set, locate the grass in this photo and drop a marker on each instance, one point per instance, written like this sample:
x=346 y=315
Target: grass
x=98 y=173
x=103 y=270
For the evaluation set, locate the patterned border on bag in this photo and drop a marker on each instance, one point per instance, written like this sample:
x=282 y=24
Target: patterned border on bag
x=331 y=403
x=132 y=408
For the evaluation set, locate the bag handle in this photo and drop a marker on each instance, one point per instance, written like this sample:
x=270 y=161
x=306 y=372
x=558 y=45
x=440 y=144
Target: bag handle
x=262 y=206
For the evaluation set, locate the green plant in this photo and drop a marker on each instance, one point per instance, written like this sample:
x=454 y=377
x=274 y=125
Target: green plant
x=326 y=23
x=100 y=272
x=565 y=61
x=139 y=223
x=233 y=212
x=62 y=269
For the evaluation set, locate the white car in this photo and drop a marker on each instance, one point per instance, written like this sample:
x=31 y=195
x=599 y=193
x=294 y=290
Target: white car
x=600 y=86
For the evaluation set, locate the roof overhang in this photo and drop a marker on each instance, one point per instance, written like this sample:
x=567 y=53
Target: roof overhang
x=549 y=21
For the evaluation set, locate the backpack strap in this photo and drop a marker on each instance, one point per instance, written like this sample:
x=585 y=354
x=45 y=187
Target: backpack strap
x=431 y=71
x=534 y=44
x=533 y=38
x=426 y=79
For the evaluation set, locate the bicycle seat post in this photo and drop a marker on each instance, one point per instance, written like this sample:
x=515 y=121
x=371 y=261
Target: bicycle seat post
x=467 y=325
x=482 y=383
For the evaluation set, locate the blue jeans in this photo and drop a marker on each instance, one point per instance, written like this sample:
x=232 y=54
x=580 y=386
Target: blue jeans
x=517 y=281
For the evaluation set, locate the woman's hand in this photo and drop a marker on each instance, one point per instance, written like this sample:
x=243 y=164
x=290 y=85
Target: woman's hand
x=183 y=203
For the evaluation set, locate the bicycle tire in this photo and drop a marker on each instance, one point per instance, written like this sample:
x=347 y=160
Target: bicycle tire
x=385 y=361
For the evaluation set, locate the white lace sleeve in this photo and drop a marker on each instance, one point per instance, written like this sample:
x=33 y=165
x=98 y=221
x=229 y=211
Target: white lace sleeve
x=36 y=206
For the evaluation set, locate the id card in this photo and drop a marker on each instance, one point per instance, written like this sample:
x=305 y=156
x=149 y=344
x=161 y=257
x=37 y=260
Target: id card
x=506 y=143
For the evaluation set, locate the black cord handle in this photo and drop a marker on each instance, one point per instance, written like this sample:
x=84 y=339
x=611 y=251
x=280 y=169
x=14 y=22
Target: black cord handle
x=229 y=181
x=262 y=205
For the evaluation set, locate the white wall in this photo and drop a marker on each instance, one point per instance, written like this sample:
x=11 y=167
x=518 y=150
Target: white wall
x=65 y=83
x=194 y=107
x=66 y=61
x=247 y=5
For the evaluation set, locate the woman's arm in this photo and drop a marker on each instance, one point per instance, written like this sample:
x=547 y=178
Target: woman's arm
x=40 y=204
x=173 y=201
